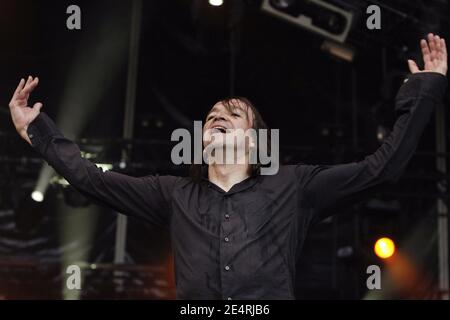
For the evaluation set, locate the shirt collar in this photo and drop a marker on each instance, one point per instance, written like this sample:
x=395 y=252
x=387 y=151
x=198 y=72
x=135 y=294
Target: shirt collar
x=238 y=187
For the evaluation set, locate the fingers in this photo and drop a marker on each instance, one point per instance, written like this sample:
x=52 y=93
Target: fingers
x=432 y=45
x=413 y=66
x=29 y=79
x=20 y=93
x=444 y=49
x=437 y=47
x=37 y=106
x=434 y=51
x=437 y=40
x=425 y=51
x=19 y=87
x=16 y=93
x=438 y=50
x=23 y=91
x=29 y=86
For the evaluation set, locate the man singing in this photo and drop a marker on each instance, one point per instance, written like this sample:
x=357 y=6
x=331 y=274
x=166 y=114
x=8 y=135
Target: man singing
x=237 y=234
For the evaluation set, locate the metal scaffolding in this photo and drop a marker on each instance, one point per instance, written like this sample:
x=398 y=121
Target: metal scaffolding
x=135 y=31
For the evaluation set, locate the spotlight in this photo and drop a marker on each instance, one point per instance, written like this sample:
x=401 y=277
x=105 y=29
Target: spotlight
x=382 y=133
x=384 y=248
x=216 y=3
x=42 y=183
x=37 y=196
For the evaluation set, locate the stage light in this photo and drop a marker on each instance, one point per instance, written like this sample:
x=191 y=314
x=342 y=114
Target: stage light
x=384 y=248
x=92 y=70
x=216 y=3
x=37 y=196
x=382 y=133
x=318 y=16
x=42 y=183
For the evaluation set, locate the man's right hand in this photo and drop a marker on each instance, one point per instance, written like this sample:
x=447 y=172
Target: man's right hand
x=22 y=115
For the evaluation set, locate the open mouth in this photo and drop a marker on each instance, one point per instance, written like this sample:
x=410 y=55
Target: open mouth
x=219 y=129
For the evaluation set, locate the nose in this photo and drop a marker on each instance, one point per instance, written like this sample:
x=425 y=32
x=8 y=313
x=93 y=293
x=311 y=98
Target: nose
x=219 y=117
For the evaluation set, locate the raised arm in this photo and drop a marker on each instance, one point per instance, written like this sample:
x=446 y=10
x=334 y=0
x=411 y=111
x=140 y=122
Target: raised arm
x=147 y=198
x=327 y=187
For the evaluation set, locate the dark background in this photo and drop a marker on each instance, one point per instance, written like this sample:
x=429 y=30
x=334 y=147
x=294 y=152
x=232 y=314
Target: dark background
x=191 y=55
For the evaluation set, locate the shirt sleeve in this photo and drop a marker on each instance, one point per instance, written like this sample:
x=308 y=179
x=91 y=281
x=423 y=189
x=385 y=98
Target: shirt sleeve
x=146 y=198
x=331 y=186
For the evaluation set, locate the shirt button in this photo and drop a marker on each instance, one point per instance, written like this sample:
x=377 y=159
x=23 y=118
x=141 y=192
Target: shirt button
x=227 y=216
x=227 y=268
x=31 y=136
x=229 y=298
x=226 y=239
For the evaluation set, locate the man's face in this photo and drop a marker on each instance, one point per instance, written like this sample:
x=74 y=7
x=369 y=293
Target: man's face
x=222 y=122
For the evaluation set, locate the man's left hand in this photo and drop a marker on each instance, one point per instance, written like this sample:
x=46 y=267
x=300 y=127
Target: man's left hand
x=434 y=54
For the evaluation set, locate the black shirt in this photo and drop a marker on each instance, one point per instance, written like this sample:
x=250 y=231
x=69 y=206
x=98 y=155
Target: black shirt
x=244 y=243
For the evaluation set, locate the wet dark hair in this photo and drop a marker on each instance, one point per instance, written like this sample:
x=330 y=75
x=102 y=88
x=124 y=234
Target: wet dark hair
x=198 y=171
